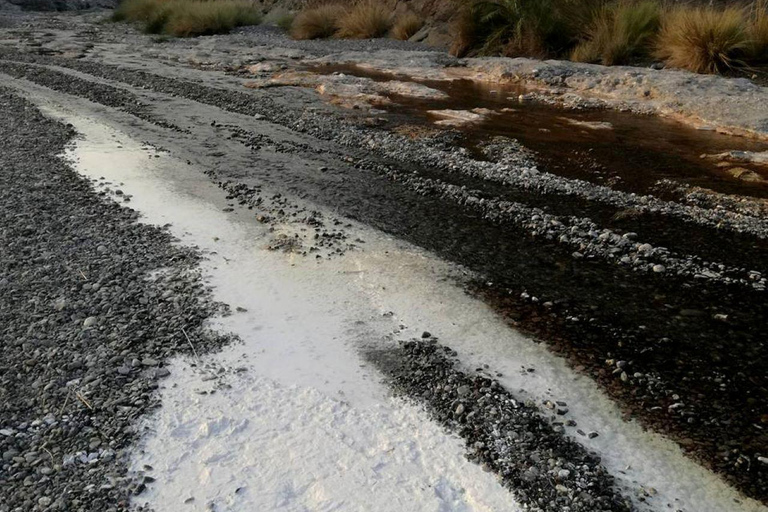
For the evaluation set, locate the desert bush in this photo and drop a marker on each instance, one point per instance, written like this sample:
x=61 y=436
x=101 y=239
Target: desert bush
x=366 y=19
x=407 y=25
x=186 y=18
x=703 y=40
x=317 y=22
x=620 y=33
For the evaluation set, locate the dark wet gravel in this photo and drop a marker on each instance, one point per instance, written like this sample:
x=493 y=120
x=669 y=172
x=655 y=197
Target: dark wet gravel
x=545 y=470
x=91 y=306
x=101 y=93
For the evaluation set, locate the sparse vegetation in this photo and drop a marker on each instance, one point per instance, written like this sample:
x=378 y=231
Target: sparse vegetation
x=539 y=28
x=407 y=25
x=757 y=32
x=465 y=33
x=317 y=22
x=185 y=18
x=703 y=40
x=285 y=21
x=366 y=19
x=620 y=33
x=360 y=19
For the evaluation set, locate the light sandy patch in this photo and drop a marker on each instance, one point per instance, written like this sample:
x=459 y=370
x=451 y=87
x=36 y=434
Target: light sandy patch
x=753 y=157
x=449 y=117
x=591 y=125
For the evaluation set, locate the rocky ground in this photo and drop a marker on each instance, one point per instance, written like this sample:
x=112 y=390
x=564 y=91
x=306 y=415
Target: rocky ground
x=85 y=332
x=655 y=288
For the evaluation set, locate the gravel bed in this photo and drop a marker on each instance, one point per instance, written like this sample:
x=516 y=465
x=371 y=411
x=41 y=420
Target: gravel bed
x=93 y=305
x=99 y=93
x=713 y=383
x=511 y=168
x=544 y=469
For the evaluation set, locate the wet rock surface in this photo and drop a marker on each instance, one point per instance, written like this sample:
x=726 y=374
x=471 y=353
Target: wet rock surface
x=92 y=306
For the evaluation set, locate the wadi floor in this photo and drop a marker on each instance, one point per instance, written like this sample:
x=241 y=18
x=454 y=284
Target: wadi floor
x=246 y=273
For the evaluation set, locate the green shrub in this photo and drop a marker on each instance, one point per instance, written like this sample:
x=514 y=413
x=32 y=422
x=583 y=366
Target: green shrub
x=195 y=18
x=135 y=10
x=285 y=21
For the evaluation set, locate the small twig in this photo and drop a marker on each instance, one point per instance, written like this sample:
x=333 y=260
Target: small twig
x=82 y=274
x=47 y=451
x=191 y=345
x=82 y=399
x=66 y=400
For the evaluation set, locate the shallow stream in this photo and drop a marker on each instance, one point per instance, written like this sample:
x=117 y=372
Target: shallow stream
x=630 y=152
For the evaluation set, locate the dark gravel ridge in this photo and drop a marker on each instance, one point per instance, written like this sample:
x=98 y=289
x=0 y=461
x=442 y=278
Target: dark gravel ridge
x=96 y=92
x=544 y=469
x=85 y=330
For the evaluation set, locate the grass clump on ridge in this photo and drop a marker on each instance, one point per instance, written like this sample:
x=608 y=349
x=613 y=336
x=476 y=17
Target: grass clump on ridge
x=186 y=18
x=406 y=26
x=531 y=28
x=366 y=19
x=703 y=40
x=757 y=32
x=317 y=22
x=620 y=33
x=356 y=19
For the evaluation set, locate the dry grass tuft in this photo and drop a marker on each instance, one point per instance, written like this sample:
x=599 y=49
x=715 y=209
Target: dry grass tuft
x=703 y=40
x=620 y=33
x=365 y=20
x=757 y=32
x=698 y=38
x=135 y=10
x=184 y=18
x=407 y=25
x=317 y=22
x=539 y=28
x=210 y=17
x=285 y=21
